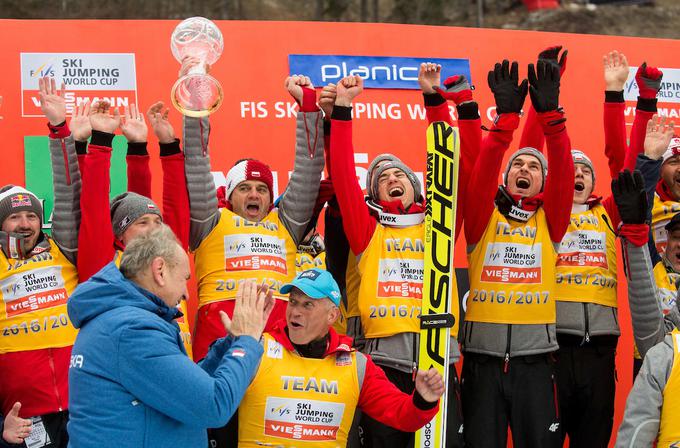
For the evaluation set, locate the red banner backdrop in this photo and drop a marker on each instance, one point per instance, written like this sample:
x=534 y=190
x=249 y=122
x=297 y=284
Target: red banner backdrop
x=256 y=117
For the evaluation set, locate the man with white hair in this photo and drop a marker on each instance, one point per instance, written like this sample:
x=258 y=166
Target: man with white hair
x=131 y=382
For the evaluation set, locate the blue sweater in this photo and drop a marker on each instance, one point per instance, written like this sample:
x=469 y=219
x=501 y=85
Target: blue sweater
x=131 y=383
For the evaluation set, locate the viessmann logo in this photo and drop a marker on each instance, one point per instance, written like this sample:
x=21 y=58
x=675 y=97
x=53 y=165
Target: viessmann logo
x=378 y=72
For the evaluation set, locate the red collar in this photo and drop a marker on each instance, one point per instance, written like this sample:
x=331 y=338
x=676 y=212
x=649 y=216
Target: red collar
x=336 y=342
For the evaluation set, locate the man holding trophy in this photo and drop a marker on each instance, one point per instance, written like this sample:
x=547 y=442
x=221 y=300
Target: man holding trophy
x=249 y=238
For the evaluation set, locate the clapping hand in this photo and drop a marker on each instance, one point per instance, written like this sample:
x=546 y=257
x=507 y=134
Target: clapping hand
x=251 y=311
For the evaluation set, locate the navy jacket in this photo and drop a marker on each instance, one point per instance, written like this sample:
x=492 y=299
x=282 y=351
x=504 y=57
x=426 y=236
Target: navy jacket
x=131 y=382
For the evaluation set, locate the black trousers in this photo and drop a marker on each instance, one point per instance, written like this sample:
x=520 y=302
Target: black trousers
x=521 y=395
x=55 y=427
x=586 y=381
x=377 y=435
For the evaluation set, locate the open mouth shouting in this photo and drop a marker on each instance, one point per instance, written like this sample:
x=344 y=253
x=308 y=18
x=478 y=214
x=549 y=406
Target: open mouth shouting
x=523 y=183
x=396 y=191
x=253 y=209
x=579 y=186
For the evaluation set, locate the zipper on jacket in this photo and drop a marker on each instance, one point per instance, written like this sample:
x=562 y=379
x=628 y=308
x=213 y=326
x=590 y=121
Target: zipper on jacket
x=586 y=337
x=54 y=379
x=506 y=364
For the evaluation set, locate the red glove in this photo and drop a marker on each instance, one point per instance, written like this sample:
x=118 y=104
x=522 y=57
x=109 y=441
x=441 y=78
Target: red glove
x=550 y=54
x=648 y=80
x=458 y=89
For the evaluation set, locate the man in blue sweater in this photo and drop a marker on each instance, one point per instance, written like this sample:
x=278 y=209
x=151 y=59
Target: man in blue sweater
x=131 y=383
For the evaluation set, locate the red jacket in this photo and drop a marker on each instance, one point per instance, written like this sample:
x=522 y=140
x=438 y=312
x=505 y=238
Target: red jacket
x=379 y=398
x=96 y=239
x=484 y=180
x=350 y=198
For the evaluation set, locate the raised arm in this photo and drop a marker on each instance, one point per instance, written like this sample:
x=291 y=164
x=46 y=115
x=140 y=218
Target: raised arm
x=643 y=294
x=532 y=132
x=509 y=95
x=135 y=131
x=204 y=214
x=544 y=89
x=357 y=222
x=615 y=145
x=175 y=195
x=97 y=238
x=648 y=80
x=297 y=202
x=66 y=175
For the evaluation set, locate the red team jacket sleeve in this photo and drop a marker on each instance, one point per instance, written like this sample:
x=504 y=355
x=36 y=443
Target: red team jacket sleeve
x=470 y=127
x=532 y=132
x=644 y=111
x=615 y=145
x=556 y=204
x=360 y=227
x=484 y=178
x=96 y=238
x=139 y=174
x=381 y=400
x=176 y=197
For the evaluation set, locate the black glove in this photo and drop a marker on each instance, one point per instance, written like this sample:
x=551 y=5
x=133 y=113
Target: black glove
x=503 y=82
x=544 y=86
x=630 y=197
x=550 y=54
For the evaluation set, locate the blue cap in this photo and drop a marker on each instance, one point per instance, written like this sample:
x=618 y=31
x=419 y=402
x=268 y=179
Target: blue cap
x=315 y=284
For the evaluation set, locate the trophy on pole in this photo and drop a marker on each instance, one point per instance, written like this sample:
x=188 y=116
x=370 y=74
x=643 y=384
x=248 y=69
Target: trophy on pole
x=197 y=94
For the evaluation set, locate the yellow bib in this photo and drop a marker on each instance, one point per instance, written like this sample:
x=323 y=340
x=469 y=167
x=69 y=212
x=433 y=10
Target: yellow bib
x=237 y=249
x=662 y=212
x=669 y=429
x=34 y=293
x=295 y=401
x=667 y=283
x=391 y=289
x=512 y=272
x=586 y=260
x=305 y=261
x=184 y=331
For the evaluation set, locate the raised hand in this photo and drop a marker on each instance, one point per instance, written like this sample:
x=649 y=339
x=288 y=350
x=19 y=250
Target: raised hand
x=348 y=88
x=52 y=101
x=458 y=89
x=80 y=126
x=550 y=54
x=630 y=197
x=189 y=62
x=658 y=136
x=15 y=428
x=507 y=91
x=294 y=85
x=100 y=118
x=615 y=71
x=132 y=125
x=648 y=80
x=327 y=100
x=429 y=76
x=158 y=119
x=544 y=86
x=252 y=308
x=430 y=385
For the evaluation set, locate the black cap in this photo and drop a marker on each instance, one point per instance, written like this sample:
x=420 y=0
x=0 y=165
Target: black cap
x=673 y=223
